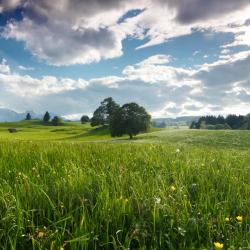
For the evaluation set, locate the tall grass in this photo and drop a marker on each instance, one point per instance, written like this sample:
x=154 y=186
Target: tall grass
x=122 y=196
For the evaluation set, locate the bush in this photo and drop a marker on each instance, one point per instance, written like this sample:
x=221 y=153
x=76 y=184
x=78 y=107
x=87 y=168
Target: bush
x=56 y=121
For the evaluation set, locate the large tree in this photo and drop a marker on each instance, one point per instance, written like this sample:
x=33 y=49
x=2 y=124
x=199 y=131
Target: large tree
x=104 y=112
x=129 y=119
x=28 y=117
x=84 y=119
x=46 y=117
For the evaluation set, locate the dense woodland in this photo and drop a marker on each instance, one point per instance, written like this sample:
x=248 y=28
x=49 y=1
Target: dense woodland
x=221 y=122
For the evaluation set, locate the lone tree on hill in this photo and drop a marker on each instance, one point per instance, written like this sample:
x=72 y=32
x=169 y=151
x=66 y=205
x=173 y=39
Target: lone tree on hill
x=84 y=119
x=104 y=112
x=46 y=117
x=28 y=117
x=56 y=121
x=129 y=119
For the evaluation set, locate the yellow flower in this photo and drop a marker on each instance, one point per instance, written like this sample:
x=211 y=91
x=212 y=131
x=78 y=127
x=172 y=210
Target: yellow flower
x=239 y=218
x=227 y=219
x=218 y=245
x=173 y=188
x=40 y=234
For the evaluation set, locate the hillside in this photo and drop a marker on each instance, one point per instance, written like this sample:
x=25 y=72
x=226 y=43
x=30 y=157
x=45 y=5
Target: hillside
x=77 y=132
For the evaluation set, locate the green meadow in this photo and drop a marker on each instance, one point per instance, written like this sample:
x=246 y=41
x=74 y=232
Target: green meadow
x=75 y=187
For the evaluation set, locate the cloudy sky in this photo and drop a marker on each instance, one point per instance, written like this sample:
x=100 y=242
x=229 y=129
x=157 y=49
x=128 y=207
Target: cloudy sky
x=175 y=57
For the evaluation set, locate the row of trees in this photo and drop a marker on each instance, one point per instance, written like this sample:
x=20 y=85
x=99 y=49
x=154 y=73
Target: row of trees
x=128 y=119
x=55 y=121
x=221 y=122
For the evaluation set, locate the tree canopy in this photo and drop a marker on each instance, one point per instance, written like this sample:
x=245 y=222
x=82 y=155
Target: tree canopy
x=220 y=122
x=129 y=119
x=84 y=119
x=104 y=112
x=28 y=117
x=56 y=121
x=46 y=117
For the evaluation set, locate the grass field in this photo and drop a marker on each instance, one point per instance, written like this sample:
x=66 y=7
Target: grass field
x=168 y=189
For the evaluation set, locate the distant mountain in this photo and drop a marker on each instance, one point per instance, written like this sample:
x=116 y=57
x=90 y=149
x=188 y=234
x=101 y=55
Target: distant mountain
x=7 y=115
x=178 y=121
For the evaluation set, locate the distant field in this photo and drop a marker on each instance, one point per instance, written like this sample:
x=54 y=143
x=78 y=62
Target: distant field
x=168 y=189
x=74 y=131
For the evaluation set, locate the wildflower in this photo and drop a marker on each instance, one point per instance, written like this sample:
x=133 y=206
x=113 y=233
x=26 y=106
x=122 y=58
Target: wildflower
x=227 y=219
x=40 y=234
x=173 y=188
x=157 y=200
x=239 y=218
x=177 y=150
x=218 y=245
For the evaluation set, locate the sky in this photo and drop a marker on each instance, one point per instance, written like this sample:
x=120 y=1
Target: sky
x=174 y=57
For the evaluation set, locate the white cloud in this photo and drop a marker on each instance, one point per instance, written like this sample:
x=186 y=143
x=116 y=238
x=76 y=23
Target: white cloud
x=4 y=67
x=78 y=32
x=26 y=85
x=156 y=60
x=24 y=68
x=214 y=88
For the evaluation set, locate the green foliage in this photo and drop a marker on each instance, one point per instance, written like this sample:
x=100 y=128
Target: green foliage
x=104 y=112
x=217 y=127
x=248 y=122
x=193 y=125
x=46 y=117
x=56 y=121
x=123 y=196
x=28 y=117
x=129 y=119
x=213 y=122
x=84 y=119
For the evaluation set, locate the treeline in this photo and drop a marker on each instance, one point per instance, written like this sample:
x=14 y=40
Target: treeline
x=55 y=121
x=221 y=122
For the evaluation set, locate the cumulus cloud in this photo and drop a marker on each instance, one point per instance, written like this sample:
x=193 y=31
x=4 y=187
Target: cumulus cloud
x=153 y=73
x=66 y=32
x=8 y=5
x=70 y=32
x=220 y=87
x=189 y=11
x=26 y=85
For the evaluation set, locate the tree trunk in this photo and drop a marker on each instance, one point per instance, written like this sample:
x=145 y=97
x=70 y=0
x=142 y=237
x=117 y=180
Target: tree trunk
x=130 y=136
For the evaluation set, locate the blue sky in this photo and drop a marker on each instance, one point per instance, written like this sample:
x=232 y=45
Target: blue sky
x=173 y=59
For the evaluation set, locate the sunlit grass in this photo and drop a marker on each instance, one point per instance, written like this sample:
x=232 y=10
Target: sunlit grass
x=120 y=196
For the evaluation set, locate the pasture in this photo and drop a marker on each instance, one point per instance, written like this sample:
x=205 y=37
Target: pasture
x=167 y=189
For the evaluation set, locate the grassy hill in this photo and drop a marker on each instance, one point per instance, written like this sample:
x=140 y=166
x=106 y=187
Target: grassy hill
x=167 y=189
x=36 y=130
x=76 y=132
